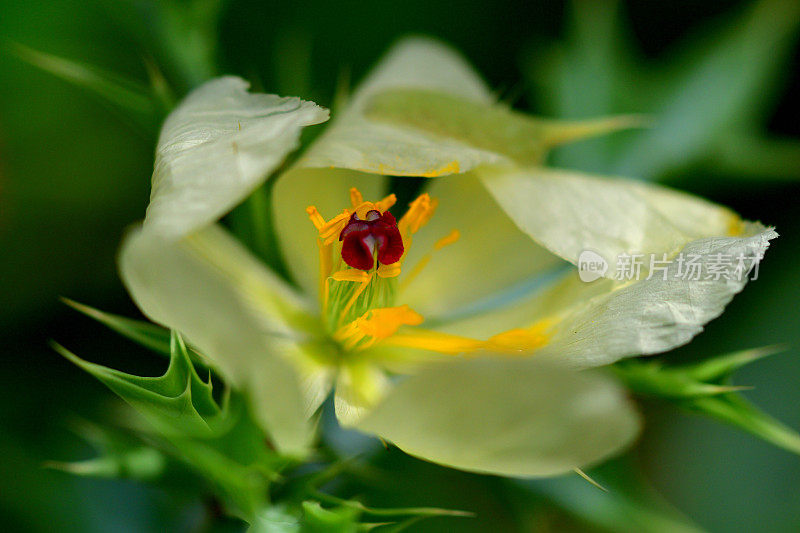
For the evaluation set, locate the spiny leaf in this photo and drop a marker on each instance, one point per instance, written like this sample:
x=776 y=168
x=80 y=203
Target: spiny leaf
x=395 y=511
x=145 y=333
x=178 y=402
x=130 y=97
x=673 y=383
x=703 y=388
x=737 y=411
x=721 y=367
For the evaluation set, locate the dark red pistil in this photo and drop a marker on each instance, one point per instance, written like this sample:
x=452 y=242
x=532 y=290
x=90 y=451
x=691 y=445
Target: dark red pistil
x=361 y=239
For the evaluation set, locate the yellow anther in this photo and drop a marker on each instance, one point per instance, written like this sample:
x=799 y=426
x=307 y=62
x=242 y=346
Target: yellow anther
x=376 y=325
x=389 y=271
x=449 y=239
x=356 y=198
x=419 y=213
x=386 y=203
x=518 y=340
x=315 y=217
x=384 y=322
x=330 y=231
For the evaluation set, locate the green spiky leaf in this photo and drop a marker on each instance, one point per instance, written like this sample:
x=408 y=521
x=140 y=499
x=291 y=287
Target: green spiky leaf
x=179 y=401
x=705 y=388
x=145 y=333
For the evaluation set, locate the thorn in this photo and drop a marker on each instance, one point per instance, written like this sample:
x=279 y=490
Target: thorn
x=585 y=476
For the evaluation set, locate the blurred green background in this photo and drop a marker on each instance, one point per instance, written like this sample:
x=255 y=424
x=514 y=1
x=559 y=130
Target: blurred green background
x=721 y=79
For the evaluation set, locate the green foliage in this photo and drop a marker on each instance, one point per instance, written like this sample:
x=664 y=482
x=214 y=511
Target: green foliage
x=117 y=455
x=705 y=388
x=707 y=99
x=179 y=402
x=131 y=99
x=145 y=333
x=181 y=34
x=220 y=442
x=629 y=504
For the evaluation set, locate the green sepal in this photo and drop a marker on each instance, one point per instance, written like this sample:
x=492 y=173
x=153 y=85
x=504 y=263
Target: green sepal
x=494 y=128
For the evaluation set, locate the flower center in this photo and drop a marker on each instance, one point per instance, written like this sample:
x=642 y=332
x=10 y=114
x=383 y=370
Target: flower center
x=362 y=251
x=361 y=255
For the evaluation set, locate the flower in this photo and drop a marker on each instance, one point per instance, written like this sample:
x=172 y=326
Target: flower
x=470 y=297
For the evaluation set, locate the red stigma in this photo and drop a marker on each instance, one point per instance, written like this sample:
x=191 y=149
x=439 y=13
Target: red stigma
x=361 y=238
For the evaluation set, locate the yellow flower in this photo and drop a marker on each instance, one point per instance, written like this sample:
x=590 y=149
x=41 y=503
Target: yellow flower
x=453 y=332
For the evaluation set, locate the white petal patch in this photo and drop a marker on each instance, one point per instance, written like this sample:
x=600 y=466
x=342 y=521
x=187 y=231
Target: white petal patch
x=216 y=147
x=238 y=314
x=655 y=315
x=357 y=143
x=514 y=417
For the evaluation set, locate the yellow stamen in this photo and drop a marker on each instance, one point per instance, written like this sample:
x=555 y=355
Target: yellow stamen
x=352 y=274
x=389 y=271
x=356 y=197
x=419 y=213
x=520 y=340
x=315 y=217
x=356 y=295
x=436 y=342
x=325 y=264
x=514 y=341
x=386 y=203
x=447 y=240
x=376 y=325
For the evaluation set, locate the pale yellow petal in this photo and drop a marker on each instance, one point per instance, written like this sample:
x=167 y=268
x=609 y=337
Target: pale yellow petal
x=355 y=142
x=359 y=387
x=569 y=212
x=492 y=263
x=241 y=317
x=216 y=147
x=513 y=417
x=655 y=315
